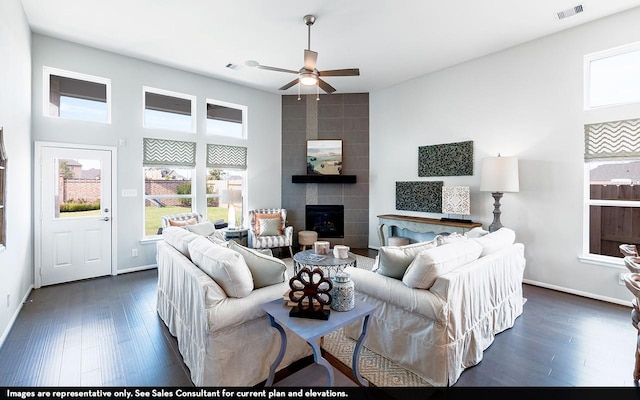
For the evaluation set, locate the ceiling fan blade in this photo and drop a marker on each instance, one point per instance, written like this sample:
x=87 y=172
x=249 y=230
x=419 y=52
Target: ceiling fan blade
x=325 y=86
x=276 y=69
x=340 y=72
x=310 y=58
x=288 y=85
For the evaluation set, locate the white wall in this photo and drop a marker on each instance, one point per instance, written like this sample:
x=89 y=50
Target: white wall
x=527 y=102
x=128 y=76
x=16 y=268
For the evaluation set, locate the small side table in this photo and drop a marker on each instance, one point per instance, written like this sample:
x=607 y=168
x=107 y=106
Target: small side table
x=312 y=329
x=239 y=235
x=329 y=264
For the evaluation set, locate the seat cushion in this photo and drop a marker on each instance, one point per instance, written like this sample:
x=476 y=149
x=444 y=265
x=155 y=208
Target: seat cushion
x=265 y=269
x=432 y=263
x=394 y=260
x=223 y=265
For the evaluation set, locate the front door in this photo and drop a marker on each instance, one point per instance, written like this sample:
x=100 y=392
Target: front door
x=75 y=240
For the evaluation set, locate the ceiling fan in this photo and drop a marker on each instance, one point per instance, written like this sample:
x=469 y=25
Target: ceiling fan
x=309 y=75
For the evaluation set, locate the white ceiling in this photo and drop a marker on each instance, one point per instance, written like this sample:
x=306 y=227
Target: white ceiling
x=390 y=42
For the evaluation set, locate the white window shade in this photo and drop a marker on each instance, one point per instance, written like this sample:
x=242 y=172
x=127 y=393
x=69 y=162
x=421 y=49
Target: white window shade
x=613 y=140
x=161 y=152
x=226 y=157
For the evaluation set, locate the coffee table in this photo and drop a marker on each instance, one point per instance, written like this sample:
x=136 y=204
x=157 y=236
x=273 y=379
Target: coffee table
x=329 y=264
x=312 y=329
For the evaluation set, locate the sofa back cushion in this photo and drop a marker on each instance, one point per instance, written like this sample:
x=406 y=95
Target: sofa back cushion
x=265 y=270
x=223 y=265
x=432 y=263
x=394 y=260
x=495 y=241
x=179 y=238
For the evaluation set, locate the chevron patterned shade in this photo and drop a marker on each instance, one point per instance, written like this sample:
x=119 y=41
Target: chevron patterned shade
x=226 y=157
x=612 y=140
x=159 y=152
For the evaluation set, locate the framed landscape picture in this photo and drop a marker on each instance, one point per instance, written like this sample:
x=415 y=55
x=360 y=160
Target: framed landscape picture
x=324 y=157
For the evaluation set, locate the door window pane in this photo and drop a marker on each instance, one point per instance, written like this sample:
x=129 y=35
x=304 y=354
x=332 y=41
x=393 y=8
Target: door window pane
x=78 y=188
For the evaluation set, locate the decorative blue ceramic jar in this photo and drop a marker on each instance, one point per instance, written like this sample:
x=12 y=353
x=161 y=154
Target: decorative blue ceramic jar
x=342 y=293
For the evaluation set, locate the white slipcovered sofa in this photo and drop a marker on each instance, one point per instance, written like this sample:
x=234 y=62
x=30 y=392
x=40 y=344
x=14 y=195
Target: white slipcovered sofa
x=443 y=304
x=213 y=306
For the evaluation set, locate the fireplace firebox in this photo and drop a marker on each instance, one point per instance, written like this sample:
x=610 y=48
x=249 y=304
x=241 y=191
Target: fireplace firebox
x=327 y=220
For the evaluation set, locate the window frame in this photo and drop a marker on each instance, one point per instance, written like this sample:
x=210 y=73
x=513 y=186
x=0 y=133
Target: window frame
x=46 y=85
x=600 y=55
x=241 y=108
x=169 y=93
x=587 y=256
x=192 y=196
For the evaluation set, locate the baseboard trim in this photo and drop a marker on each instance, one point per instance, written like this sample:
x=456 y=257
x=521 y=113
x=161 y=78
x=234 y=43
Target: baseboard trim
x=136 y=269
x=15 y=316
x=578 y=292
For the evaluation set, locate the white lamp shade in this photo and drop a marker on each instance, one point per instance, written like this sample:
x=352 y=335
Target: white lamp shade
x=455 y=200
x=230 y=196
x=499 y=174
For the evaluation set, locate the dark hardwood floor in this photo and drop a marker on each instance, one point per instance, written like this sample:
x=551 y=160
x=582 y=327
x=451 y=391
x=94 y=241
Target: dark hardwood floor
x=106 y=332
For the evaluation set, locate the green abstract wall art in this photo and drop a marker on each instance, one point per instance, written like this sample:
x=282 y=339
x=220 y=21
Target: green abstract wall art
x=419 y=196
x=450 y=159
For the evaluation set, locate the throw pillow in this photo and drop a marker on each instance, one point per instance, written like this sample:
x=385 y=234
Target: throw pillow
x=225 y=266
x=495 y=241
x=269 y=227
x=476 y=233
x=177 y=222
x=257 y=217
x=394 y=260
x=179 y=238
x=265 y=270
x=203 y=229
x=432 y=263
x=450 y=238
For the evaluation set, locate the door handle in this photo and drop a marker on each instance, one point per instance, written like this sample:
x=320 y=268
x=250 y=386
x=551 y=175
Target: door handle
x=106 y=219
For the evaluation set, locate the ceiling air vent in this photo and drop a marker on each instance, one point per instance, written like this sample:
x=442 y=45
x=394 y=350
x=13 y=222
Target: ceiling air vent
x=234 y=67
x=570 y=12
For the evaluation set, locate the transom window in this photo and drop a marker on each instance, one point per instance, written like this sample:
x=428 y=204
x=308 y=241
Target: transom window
x=226 y=119
x=169 y=110
x=72 y=95
x=612 y=77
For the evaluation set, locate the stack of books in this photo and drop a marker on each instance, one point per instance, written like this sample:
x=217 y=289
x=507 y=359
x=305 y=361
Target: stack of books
x=289 y=303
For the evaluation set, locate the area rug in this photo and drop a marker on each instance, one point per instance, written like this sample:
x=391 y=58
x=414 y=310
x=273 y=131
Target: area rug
x=378 y=370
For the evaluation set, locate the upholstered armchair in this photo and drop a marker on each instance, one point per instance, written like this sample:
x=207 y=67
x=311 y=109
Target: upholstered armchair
x=268 y=230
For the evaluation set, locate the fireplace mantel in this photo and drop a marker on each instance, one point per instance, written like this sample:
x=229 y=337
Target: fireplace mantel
x=323 y=179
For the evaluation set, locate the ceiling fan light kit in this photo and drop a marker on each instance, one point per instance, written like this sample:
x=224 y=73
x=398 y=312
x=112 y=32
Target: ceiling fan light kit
x=308 y=75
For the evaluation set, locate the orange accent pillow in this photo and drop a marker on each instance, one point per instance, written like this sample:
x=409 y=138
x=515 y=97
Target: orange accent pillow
x=190 y=221
x=258 y=217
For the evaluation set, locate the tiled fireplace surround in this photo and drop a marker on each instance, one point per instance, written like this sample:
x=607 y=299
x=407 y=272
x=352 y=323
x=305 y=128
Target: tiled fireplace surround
x=336 y=116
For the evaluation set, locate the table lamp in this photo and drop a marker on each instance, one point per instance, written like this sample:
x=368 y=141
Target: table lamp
x=499 y=175
x=231 y=197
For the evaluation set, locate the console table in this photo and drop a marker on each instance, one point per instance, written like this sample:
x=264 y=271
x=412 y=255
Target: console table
x=393 y=225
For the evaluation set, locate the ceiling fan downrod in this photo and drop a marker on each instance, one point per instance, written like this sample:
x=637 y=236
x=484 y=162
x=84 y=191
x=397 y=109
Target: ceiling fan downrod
x=309 y=20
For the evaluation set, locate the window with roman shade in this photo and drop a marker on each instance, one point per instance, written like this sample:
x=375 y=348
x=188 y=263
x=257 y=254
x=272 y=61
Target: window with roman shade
x=168 y=167
x=612 y=171
x=226 y=157
x=226 y=171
